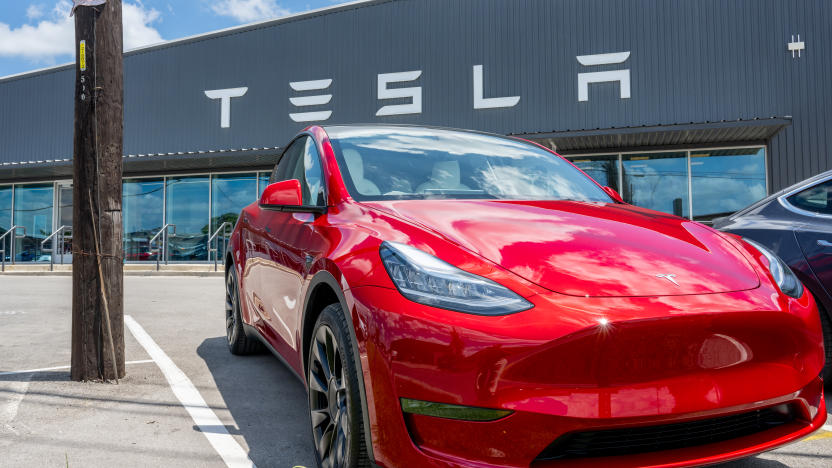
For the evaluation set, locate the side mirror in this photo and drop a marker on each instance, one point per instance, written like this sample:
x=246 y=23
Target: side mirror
x=285 y=193
x=286 y=196
x=613 y=194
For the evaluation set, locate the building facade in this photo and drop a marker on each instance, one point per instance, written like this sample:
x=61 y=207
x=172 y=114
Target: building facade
x=692 y=107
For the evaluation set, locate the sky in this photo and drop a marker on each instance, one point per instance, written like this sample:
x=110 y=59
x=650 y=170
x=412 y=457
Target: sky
x=37 y=34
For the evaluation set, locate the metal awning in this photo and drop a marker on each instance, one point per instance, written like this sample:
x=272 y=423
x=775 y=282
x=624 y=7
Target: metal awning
x=137 y=164
x=687 y=134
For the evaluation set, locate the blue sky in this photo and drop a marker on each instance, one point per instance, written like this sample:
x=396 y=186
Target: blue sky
x=39 y=33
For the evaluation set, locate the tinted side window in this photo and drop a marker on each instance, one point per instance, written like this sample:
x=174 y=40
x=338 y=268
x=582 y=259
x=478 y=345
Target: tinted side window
x=313 y=175
x=817 y=199
x=302 y=162
x=287 y=160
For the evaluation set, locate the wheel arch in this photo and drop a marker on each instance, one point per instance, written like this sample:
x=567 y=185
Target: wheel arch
x=229 y=261
x=324 y=289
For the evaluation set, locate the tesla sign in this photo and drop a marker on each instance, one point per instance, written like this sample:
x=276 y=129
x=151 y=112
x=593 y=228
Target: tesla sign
x=401 y=87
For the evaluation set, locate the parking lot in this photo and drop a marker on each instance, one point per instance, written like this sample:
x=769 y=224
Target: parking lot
x=254 y=408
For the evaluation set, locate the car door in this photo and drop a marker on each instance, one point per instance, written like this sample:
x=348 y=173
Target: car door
x=291 y=240
x=815 y=234
x=264 y=261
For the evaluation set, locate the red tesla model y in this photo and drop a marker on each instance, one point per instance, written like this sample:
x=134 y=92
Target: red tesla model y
x=453 y=298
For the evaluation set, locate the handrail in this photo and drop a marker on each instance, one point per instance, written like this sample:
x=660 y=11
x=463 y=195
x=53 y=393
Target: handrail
x=13 y=232
x=223 y=228
x=164 y=233
x=54 y=246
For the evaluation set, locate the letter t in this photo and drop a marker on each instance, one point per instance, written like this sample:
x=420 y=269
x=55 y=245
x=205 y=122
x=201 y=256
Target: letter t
x=225 y=95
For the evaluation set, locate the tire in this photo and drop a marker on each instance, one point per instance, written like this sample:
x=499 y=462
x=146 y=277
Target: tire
x=825 y=323
x=238 y=343
x=334 y=401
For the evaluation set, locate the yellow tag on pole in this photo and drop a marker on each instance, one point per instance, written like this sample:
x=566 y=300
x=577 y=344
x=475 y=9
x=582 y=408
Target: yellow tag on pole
x=82 y=55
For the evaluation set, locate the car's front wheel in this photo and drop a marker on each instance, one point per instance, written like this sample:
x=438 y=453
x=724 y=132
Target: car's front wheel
x=334 y=400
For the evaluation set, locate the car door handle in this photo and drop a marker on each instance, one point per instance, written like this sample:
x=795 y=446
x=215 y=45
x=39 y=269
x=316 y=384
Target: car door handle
x=824 y=243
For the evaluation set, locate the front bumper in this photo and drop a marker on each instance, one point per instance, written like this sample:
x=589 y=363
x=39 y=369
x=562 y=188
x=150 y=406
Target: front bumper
x=585 y=364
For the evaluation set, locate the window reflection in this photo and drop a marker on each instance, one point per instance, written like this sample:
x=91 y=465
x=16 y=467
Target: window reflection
x=725 y=181
x=229 y=195
x=658 y=181
x=187 y=208
x=142 y=205
x=263 y=183
x=33 y=210
x=603 y=168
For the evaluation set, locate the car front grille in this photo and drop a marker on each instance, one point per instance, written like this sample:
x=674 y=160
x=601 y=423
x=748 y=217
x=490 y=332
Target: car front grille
x=665 y=437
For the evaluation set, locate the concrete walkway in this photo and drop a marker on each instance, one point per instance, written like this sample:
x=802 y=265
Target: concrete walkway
x=130 y=269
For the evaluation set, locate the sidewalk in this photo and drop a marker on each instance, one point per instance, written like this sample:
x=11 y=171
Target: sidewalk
x=130 y=269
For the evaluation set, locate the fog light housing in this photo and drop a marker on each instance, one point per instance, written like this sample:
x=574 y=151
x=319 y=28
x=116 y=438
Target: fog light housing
x=446 y=411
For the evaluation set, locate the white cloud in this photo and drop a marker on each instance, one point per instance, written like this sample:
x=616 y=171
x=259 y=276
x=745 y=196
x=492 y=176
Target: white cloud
x=54 y=36
x=138 y=29
x=34 y=11
x=246 y=11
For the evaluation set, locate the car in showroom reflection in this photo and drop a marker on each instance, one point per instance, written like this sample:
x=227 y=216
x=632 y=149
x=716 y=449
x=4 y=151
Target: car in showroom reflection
x=796 y=224
x=453 y=298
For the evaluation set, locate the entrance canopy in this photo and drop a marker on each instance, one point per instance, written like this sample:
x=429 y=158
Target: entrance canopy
x=757 y=130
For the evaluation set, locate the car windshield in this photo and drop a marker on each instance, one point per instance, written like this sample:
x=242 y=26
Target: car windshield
x=404 y=163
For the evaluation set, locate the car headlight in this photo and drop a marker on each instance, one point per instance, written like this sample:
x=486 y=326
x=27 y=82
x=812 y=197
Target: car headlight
x=425 y=279
x=782 y=274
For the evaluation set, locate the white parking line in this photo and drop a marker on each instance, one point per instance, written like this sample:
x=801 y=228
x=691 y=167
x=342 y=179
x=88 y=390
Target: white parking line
x=47 y=369
x=212 y=428
x=8 y=411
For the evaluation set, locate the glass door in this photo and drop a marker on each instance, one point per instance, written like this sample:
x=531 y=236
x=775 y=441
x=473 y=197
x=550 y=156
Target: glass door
x=33 y=209
x=62 y=243
x=187 y=208
x=143 y=204
x=6 y=218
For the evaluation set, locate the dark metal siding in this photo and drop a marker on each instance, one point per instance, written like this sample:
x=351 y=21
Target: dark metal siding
x=691 y=61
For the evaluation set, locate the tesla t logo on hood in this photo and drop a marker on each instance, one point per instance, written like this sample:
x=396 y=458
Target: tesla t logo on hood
x=671 y=278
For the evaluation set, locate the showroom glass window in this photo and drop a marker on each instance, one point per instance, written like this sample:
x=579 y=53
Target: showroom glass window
x=603 y=168
x=33 y=210
x=187 y=209
x=5 y=215
x=817 y=199
x=143 y=208
x=724 y=181
x=658 y=181
x=230 y=193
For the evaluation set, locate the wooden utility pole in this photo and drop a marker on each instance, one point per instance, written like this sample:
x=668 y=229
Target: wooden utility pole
x=97 y=230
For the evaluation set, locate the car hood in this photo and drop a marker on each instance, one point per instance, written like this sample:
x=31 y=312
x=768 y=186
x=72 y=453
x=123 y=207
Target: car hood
x=588 y=249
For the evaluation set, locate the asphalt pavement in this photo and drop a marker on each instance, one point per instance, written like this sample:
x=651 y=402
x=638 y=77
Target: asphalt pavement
x=249 y=405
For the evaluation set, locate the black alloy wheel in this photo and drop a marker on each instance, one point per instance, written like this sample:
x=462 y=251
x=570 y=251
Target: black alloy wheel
x=238 y=342
x=230 y=306
x=334 y=402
